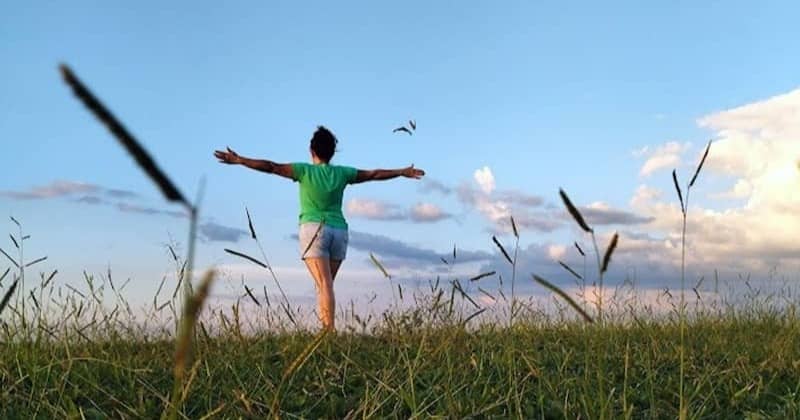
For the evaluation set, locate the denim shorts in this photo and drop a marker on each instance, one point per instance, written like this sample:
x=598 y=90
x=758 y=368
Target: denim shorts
x=322 y=241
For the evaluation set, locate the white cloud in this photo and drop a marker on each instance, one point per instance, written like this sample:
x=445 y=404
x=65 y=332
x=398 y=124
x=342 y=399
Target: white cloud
x=426 y=212
x=556 y=252
x=600 y=213
x=643 y=195
x=757 y=147
x=497 y=206
x=215 y=232
x=742 y=189
x=381 y=210
x=373 y=209
x=485 y=179
x=661 y=157
x=52 y=190
x=65 y=188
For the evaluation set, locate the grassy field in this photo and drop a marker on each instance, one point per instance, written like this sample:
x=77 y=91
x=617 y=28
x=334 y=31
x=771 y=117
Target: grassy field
x=744 y=365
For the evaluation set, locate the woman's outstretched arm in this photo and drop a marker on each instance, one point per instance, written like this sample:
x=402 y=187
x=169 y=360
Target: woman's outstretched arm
x=232 y=158
x=384 y=174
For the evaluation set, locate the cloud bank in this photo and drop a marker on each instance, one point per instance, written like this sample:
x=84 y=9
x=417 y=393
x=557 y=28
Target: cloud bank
x=381 y=210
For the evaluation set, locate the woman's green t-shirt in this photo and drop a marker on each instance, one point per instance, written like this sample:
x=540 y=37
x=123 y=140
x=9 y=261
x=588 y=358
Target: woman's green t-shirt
x=321 y=190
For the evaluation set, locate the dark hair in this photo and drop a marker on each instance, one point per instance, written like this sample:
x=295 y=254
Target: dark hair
x=323 y=144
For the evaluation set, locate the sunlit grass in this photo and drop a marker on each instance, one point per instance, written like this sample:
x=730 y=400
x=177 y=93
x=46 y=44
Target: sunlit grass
x=417 y=362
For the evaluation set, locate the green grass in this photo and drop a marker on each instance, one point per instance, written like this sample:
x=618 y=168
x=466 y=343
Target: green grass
x=738 y=365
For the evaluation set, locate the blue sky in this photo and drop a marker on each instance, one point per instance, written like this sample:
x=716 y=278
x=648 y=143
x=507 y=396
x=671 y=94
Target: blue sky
x=544 y=94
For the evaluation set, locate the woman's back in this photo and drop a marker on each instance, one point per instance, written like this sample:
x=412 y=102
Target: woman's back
x=321 y=191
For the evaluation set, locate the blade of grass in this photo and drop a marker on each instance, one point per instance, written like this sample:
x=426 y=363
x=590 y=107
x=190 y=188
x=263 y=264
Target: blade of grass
x=464 y=294
x=503 y=250
x=250 y=293
x=379 y=265
x=571 y=271
x=245 y=256
x=49 y=278
x=483 y=275
x=296 y=364
x=473 y=315
x=489 y=295
x=172 y=252
x=553 y=288
x=35 y=261
x=9 y=258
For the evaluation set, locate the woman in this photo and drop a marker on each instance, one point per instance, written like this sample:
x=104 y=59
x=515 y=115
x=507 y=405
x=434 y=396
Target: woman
x=323 y=229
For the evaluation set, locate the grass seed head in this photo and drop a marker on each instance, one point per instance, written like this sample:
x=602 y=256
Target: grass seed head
x=580 y=251
x=609 y=251
x=7 y=296
x=503 y=250
x=574 y=212
x=250 y=224
x=379 y=265
x=678 y=189
x=514 y=227
x=700 y=166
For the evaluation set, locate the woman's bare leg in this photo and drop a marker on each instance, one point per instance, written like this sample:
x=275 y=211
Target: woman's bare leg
x=320 y=269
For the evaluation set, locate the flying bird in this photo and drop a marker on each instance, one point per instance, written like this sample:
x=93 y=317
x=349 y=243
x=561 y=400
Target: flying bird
x=402 y=129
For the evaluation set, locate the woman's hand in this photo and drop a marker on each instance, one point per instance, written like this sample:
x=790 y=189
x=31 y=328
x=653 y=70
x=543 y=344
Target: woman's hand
x=412 y=172
x=230 y=157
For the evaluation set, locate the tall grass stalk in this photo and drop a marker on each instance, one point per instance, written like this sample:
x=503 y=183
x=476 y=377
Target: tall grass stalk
x=183 y=347
x=192 y=304
x=253 y=235
x=602 y=267
x=514 y=267
x=683 y=403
